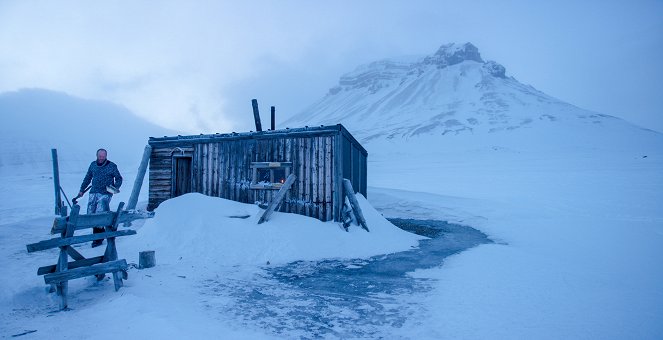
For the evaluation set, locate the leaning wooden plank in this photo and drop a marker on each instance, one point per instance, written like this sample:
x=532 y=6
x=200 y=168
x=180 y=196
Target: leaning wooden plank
x=72 y=265
x=138 y=183
x=350 y=193
x=279 y=197
x=61 y=242
x=102 y=268
x=100 y=219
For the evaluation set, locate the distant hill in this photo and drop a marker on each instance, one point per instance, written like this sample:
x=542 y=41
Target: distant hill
x=36 y=120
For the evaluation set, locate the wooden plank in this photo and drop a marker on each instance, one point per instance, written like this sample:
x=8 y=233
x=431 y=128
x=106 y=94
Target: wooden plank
x=100 y=219
x=101 y=268
x=300 y=171
x=328 y=178
x=279 y=196
x=61 y=242
x=140 y=176
x=321 y=178
x=62 y=288
x=307 y=175
x=206 y=170
x=71 y=265
x=339 y=199
x=111 y=251
x=350 y=193
x=256 y=114
x=56 y=183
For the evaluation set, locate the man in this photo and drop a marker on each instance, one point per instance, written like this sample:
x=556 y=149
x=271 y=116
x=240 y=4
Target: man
x=106 y=180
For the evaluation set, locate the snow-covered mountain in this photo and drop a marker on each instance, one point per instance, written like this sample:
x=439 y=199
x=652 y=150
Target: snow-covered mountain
x=454 y=92
x=36 y=120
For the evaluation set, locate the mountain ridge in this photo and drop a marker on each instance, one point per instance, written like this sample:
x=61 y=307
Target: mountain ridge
x=453 y=91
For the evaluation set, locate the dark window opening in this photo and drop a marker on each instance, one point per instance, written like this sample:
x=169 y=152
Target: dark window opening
x=269 y=175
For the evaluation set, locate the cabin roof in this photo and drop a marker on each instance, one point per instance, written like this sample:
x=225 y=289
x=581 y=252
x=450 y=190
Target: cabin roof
x=287 y=132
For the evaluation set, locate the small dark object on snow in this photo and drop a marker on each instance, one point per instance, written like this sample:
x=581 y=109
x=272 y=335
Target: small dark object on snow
x=240 y=216
x=97 y=243
x=146 y=259
x=24 y=333
x=645 y=156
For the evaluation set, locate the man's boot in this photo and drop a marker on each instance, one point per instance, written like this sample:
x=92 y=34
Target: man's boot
x=96 y=243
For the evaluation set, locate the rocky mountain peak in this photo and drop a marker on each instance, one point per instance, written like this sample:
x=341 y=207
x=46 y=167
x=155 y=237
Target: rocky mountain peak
x=452 y=54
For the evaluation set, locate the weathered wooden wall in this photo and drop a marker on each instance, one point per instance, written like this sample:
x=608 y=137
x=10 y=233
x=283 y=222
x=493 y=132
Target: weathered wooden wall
x=222 y=169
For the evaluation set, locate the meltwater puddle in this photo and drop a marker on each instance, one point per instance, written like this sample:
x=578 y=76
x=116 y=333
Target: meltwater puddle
x=341 y=298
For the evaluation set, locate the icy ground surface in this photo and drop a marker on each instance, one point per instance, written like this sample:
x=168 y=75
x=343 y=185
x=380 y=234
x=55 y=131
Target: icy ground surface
x=340 y=298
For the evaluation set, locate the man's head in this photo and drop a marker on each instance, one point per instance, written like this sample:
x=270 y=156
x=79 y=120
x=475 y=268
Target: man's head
x=101 y=155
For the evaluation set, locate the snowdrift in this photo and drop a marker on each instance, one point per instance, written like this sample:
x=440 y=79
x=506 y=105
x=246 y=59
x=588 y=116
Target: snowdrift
x=195 y=227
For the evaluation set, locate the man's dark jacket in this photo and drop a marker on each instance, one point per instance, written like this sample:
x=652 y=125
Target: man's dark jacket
x=102 y=175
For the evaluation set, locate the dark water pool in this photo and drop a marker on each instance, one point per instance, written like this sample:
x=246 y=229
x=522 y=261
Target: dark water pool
x=342 y=298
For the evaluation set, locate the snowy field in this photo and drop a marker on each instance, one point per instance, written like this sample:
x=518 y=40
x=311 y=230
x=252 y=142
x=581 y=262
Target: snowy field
x=578 y=243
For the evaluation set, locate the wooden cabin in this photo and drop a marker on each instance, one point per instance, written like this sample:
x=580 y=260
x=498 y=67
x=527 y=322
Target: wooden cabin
x=251 y=167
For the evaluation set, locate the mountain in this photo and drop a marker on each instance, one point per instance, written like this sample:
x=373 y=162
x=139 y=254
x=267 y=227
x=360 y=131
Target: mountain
x=454 y=92
x=36 y=120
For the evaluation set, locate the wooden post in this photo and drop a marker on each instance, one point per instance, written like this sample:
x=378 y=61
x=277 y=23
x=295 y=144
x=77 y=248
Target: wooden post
x=140 y=176
x=278 y=198
x=146 y=259
x=59 y=207
x=273 y=118
x=111 y=251
x=350 y=193
x=256 y=114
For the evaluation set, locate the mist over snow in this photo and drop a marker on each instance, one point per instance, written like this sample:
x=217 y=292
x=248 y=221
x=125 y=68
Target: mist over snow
x=37 y=120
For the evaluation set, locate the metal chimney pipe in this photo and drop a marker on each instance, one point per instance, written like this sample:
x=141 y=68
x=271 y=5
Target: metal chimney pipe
x=273 y=118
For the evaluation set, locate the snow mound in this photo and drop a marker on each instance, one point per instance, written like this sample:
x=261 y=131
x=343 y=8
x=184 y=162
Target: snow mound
x=195 y=227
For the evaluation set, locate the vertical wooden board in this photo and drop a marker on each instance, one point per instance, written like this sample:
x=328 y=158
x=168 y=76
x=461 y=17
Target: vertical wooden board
x=194 y=167
x=356 y=170
x=321 y=177
x=204 y=168
x=210 y=168
x=219 y=170
x=222 y=169
x=238 y=164
x=299 y=164
x=212 y=191
x=338 y=177
x=288 y=158
x=364 y=175
x=226 y=186
x=314 y=177
x=328 y=178
x=307 y=175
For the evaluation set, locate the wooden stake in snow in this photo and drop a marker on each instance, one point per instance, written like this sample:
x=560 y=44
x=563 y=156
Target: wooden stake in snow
x=278 y=198
x=146 y=259
x=350 y=193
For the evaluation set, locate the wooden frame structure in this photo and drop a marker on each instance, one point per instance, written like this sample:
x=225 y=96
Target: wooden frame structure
x=60 y=273
x=224 y=165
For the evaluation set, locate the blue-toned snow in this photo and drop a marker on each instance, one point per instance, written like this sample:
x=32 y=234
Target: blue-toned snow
x=340 y=298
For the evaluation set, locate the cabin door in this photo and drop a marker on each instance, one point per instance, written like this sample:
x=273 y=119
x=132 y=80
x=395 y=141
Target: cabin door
x=182 y=176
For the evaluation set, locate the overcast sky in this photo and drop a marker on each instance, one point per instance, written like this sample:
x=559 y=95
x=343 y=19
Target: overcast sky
x=194 y=66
